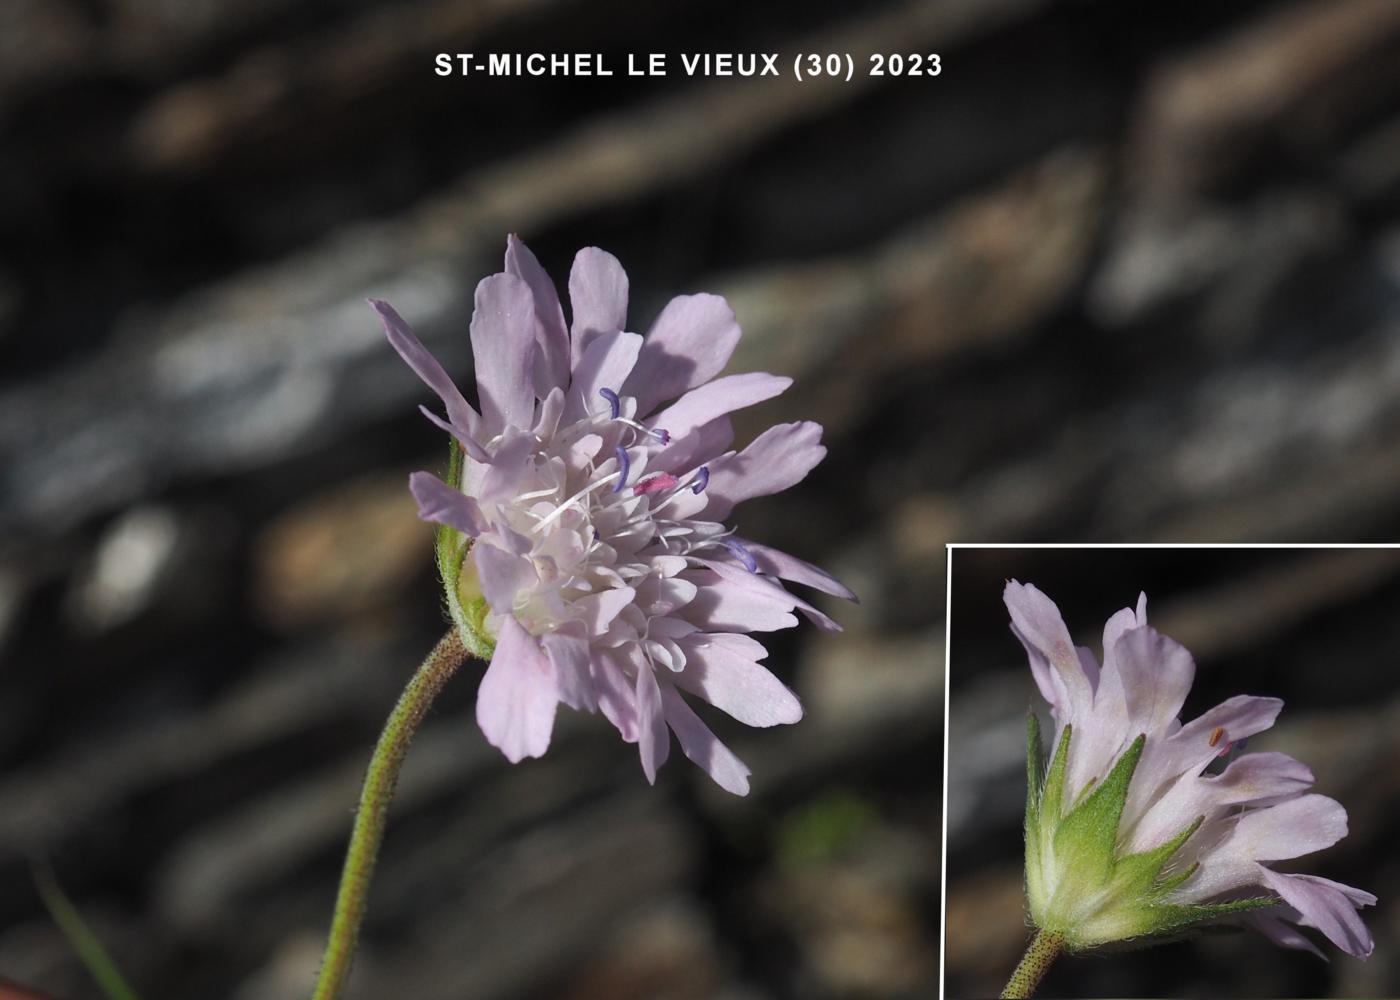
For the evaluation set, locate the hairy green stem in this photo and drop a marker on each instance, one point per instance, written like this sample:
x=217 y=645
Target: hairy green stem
x=373 y=810
x=1040 y=955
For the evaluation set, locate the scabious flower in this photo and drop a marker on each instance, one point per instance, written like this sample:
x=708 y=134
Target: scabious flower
x=1131 y=832
x=583 y=539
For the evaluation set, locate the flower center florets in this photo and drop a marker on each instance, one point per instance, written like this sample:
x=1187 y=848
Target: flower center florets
x=590 y=516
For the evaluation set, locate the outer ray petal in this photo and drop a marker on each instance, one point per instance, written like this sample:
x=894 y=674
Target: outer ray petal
x=777 y=459
x=503 y=343
x=551 y=336
x=688 y=344
x=516 y=701
x=735 y=683
x=1329 y=906
x=442 y=504
x=598 y=295
x=702 y=746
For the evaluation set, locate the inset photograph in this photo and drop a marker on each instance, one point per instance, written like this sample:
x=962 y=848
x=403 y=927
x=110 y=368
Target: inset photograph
x=1172 y=772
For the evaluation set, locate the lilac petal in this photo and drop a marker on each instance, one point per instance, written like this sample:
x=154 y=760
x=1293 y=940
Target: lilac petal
x=516 y=701
x=441 y=503
x=604 y=364
x=657 y=597
x=733 y=682
x=789 y=567
x=462 y=419
x=1258 y=776
x=1100 y=738
x=1037 y=622
x=1274 y=833
x=653 y=740
x=551 y=410
x=1089 y=665
x=1280 y=933
x=702 y=746
x=597 y=611
x=551 y=336
x=1110 y=700
x=1188 y=750
x=567 y=649
x=1047 y=679
x=714 y=399
x=694 y=449
x=1329 y=906
x=767 y=589
x=598 y=295
x=1121 y=622
x=778 y=458
x=617 y=698
x=503 y=575
x=1240 y=717
x=1291 y=829
x=503 y=344
x=468 y=445
x=502 y=477
x=1251 y=778
x=1157 y=673
x=725 y=605
x=689 y=343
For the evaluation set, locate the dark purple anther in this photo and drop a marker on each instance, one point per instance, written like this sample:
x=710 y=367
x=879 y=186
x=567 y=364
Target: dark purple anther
x=662 y=435
x=613 y=402
x=624 y=466
x=741 y=553
x=702 y=479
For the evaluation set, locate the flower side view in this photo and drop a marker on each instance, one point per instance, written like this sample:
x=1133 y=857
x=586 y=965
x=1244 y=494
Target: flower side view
x=1129 y=835
x=582 y=537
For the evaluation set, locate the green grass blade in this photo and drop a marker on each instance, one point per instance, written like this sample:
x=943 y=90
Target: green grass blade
x=90 y=951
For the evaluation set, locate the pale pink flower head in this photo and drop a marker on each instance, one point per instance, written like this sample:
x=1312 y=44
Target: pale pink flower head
x=1181 y=844
x=593 y=505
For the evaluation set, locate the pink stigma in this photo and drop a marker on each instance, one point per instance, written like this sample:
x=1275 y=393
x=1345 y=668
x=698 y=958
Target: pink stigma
x=655 y=484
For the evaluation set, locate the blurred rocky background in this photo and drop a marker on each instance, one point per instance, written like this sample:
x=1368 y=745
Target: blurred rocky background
x=1315 y=627
x=1117 y=273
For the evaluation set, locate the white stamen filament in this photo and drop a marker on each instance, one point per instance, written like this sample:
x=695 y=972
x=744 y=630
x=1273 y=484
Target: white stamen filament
x=559 y=511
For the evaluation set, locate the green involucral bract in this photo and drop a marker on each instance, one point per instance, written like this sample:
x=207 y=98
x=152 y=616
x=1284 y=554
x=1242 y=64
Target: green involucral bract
x=1079 y=884
x=465 y=603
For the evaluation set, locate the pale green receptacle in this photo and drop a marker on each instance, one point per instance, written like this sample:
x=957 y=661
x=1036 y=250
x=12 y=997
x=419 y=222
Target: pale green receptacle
x=461 y=589
x=1080 y=882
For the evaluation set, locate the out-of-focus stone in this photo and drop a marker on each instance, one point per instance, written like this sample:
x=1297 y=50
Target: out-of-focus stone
x=341 y=553
x=855 y=920
x=58 y=796
x=289 y=971
x=1290 y=80
x=40 y=38
x=568 y=882
x=985 y=925
x=11 y=601
x=667 y=951
x=131 y=560
x=274 y=90
x=921 y=526
x=961 y=281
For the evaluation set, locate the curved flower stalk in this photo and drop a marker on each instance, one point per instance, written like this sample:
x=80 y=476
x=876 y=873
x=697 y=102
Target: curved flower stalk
x=1129 y=831
x=585 y=545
